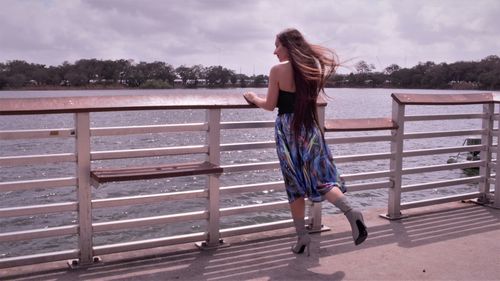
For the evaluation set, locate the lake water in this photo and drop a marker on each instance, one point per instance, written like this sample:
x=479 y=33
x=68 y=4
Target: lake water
x=345 y=103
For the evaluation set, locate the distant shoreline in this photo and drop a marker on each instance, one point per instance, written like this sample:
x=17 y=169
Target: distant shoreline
x=69 y=88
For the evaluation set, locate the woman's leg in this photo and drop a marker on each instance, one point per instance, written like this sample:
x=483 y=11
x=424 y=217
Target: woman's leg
x=334 y=194
x=297 y=207
x=355 y=218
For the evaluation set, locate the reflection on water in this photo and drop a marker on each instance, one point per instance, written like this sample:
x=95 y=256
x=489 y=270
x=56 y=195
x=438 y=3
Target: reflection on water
x=346 y=103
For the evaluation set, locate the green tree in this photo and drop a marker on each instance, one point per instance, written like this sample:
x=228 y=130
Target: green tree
x=159 y=71
x=3 y=75
x=391 y=69
x=435 y=77
x=86 y=70
x=218 y=76
x=364 y=67
x=197 y=72
x=54 y=75
x=16 y=80
x=241 y=79
x=402 y=78
x=76 y=78
x=184 y=73
x=260 y=81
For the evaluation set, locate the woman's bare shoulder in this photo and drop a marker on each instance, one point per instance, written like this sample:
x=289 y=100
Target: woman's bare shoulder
x=283 y=74
x=282 y=69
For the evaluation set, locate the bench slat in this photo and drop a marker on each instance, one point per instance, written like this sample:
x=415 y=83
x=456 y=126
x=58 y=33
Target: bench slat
x=154 y=172
x=361 y=124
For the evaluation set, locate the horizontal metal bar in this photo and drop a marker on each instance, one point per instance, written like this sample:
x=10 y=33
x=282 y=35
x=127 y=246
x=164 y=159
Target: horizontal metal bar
x=367 y=175
x=32 y=184
x=369 y=186
x=444 y=117
x=247 y=125
x=148 y=199
x=362 y=157
x=150 y=243
x=441 y=134
x=9 y=161
x=434 y=168
x=358 y=139
x=250 y=167
x=148 y=152
x=445 y=150
x=247 y=146
x=38 y=209
x=247 y=229
x=256 y=187
x=39 y=233
x=129 y=130
x=254 y=208
x=132 y=223
x=436 y=184
x=39 y=258
x=428 y=202
x=37 y=134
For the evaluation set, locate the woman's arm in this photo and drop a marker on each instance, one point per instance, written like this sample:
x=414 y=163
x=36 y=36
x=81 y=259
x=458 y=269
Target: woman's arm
x=268 y=103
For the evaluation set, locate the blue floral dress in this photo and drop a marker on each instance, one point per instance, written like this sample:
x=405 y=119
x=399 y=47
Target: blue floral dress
x=306 y=162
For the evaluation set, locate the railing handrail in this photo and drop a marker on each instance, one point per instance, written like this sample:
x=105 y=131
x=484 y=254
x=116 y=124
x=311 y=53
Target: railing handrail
x=12 y=106
x=48 y=105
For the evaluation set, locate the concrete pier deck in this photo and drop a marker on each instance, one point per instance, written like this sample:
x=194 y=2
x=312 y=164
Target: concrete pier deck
x=455 y=241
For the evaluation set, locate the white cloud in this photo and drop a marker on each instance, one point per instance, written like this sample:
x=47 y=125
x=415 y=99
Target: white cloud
x=240 y=34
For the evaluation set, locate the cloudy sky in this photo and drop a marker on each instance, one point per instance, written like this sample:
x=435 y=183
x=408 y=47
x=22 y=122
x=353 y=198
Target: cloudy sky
x=239 y=34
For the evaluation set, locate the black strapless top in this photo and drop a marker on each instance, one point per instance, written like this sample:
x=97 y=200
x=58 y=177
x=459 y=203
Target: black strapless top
x=286 y=102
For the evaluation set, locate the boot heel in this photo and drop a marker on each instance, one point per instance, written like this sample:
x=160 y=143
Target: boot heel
x=363 y=233
x=303 y=244
x=358 y=227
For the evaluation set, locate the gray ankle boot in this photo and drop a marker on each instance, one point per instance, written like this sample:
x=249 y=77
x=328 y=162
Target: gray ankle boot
x=355 y=218
x=303 y=239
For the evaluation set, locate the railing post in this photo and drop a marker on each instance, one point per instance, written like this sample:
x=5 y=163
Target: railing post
x=487 y=140
x=315 y=209
x=496 y=203
x=82 y=124
x=396 y=162
x=213 y=141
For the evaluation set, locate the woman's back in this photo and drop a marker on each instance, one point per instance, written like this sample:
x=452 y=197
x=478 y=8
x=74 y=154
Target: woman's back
x=285 y=77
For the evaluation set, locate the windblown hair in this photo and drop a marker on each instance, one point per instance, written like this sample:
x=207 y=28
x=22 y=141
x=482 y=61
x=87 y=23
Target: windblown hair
x=312 y=66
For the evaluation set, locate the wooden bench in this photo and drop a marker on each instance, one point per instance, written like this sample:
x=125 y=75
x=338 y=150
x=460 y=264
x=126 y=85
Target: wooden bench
x=153 y=172
x=361 y=124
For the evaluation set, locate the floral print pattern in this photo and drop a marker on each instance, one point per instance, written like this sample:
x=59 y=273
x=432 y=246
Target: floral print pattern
x=306 y=161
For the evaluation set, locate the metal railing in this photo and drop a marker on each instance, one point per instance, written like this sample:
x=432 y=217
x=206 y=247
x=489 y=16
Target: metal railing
x=486 y=164
x=85 y=157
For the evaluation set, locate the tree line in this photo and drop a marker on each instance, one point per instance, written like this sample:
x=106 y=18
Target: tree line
x=483 y=75
x=93 y=73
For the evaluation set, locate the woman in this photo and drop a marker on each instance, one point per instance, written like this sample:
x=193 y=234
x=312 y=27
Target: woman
x=305 y=159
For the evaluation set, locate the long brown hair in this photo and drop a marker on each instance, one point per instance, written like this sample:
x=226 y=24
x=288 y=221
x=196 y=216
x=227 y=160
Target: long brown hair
x=312 y=65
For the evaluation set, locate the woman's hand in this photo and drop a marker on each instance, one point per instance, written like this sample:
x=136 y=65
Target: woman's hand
x=250 y=97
